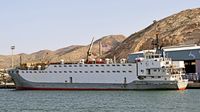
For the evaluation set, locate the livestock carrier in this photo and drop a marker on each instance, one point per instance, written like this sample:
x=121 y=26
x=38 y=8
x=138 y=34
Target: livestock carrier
x=152 y=72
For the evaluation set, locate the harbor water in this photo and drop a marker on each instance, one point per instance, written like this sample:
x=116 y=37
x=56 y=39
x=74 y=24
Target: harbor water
x=99 y=101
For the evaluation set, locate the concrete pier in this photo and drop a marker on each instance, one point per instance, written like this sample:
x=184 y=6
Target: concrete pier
x=7 y=86
x=193 y=85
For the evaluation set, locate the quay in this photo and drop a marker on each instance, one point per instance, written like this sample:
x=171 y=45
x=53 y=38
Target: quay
x=193 y=85
x=7 y=86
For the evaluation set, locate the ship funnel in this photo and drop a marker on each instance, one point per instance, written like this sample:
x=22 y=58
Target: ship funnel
x=82 y=61
x=62 y=61
x=28 y=67
x=107 y=61
x=39 y=67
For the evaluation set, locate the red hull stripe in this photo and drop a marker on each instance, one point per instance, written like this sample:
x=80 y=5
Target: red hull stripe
x=182 y=88
x=73 y=89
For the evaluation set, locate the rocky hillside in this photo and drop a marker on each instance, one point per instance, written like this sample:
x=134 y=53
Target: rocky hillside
x=69 y=54
x=180 y=28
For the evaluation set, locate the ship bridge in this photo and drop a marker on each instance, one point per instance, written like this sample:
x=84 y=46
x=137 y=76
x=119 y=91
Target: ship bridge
x=190 y=54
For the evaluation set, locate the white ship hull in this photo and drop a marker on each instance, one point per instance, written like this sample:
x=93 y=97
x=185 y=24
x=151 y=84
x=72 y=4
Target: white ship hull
x=23 y=84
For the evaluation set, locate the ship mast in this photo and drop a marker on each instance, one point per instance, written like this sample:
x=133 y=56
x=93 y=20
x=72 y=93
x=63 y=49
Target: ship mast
x=156 y=41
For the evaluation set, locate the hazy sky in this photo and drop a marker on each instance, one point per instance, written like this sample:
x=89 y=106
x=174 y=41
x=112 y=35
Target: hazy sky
x=33 y=25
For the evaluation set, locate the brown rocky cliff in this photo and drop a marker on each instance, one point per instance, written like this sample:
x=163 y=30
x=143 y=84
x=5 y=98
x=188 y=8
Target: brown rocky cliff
x=69 y=54
x=180 y=28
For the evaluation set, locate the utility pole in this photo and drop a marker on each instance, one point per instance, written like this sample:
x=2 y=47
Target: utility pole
x=12 y=49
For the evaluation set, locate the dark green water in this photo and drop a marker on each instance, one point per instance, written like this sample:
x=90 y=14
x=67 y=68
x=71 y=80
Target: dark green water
x=99 y=101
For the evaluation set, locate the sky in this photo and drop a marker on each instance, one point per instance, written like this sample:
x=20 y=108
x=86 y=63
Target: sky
x=33 y=25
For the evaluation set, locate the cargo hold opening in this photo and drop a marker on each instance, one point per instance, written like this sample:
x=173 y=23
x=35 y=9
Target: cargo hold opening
x=190 y=66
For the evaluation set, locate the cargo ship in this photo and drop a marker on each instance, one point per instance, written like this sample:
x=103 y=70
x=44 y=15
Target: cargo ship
x=152 y=72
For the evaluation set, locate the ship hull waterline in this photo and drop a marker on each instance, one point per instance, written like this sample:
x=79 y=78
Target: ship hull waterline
x=22 y=84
